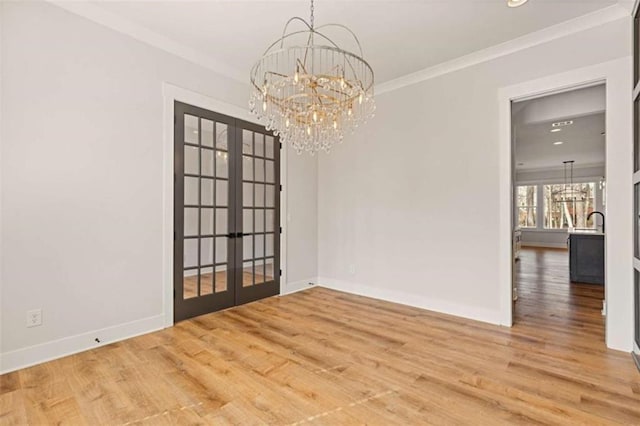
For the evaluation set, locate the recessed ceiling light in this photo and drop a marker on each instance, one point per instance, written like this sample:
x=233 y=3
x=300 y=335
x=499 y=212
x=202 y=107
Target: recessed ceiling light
x=195 y=131
x=558 y=143
x=555 y=130
x=515 y=3
x=562 y=123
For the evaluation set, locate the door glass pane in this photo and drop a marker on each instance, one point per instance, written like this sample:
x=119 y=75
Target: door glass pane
x=636 y=51
x=247 y=142
x=269 y=270
x=270 y=220
x=247 y=221
x=259 y=145
x=191 y=191
x=190 y=252
x=247 y=274
x=207 y=132
x=247 y=194
x=190 y=129
x=259 y=272
x=270 y=171
x=221 y=249
x=222 y=164
x=259 y=170
x=190 y=284
x=222 y=136
x=259 y=216
x=206 y=221
x=190 y=160
x=636 y=233
x=259 y=245
x=206 y=281
x=206 y=156
x=221 y=279
x=206 y=251
x=206 y=192
x=636 y=134
x=259 y=188
x=190 y=221
x=247 y=168
x=271 y=196
x=221 y=222
x=269 y=245
x=268 y=147
x=222 y=197
x=247 y=247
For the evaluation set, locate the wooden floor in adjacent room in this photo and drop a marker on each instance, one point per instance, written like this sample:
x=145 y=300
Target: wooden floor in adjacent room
x=325 y=357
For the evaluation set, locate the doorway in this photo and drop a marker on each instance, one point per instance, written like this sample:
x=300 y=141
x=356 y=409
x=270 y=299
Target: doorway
x=559 y=203
x=226 y=212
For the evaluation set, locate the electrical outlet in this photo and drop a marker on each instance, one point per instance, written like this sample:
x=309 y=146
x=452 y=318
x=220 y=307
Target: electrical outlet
x=34 y=318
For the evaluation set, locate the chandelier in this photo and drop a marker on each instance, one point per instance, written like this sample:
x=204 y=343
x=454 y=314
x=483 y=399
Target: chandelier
x=311 y=94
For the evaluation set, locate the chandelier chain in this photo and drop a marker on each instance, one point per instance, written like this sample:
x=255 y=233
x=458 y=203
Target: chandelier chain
x=312 y=17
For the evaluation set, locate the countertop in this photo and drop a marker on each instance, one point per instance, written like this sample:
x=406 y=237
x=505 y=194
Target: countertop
x=586 y=232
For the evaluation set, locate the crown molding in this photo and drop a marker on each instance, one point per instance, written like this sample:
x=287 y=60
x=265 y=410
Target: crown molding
x=560 y=168
x=563 y=29
x=117 y=23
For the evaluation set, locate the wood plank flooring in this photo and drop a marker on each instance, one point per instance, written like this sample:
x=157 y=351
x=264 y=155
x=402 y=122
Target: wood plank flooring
x=325 y=357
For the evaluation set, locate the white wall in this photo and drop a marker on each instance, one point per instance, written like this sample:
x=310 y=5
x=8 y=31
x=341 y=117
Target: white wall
x=302 y=221
x=82 y=176
x=409 y=206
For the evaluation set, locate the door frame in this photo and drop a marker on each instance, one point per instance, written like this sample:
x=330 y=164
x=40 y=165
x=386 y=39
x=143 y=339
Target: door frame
x=617 y=75
x=172 y=93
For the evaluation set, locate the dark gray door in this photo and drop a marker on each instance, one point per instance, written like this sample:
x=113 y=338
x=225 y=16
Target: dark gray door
x=258 y=213
x=216 y=266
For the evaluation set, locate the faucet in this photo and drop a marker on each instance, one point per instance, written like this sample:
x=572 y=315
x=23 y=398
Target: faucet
x=601 y=214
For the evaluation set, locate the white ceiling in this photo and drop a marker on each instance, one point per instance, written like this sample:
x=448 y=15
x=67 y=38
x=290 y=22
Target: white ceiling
x=398 y=36
x=583 y=141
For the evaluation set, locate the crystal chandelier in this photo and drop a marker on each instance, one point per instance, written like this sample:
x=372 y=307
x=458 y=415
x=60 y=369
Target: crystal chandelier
x=311 y=94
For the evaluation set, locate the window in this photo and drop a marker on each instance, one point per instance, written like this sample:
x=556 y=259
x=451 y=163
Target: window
x=567 y=206
x=527 y=201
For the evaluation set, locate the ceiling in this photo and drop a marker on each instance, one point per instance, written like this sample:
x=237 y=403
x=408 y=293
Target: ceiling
x=398 y=36
x=582 y=141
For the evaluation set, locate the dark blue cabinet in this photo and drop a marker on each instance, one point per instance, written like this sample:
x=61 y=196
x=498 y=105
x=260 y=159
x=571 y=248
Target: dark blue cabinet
x=586 y=258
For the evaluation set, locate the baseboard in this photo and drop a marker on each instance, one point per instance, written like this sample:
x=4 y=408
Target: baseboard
x=636 y=359
x=296 y=286
x=545 y=245
x=37 y=354
x=410 y=299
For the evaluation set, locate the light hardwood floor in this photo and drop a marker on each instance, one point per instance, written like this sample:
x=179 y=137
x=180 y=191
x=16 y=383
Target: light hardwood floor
x=325 y=357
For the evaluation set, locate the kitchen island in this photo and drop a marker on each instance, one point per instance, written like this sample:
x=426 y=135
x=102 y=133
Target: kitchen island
x=586 y=256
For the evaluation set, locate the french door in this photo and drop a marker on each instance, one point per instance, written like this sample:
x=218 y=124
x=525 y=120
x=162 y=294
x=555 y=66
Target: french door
x=226 y=212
